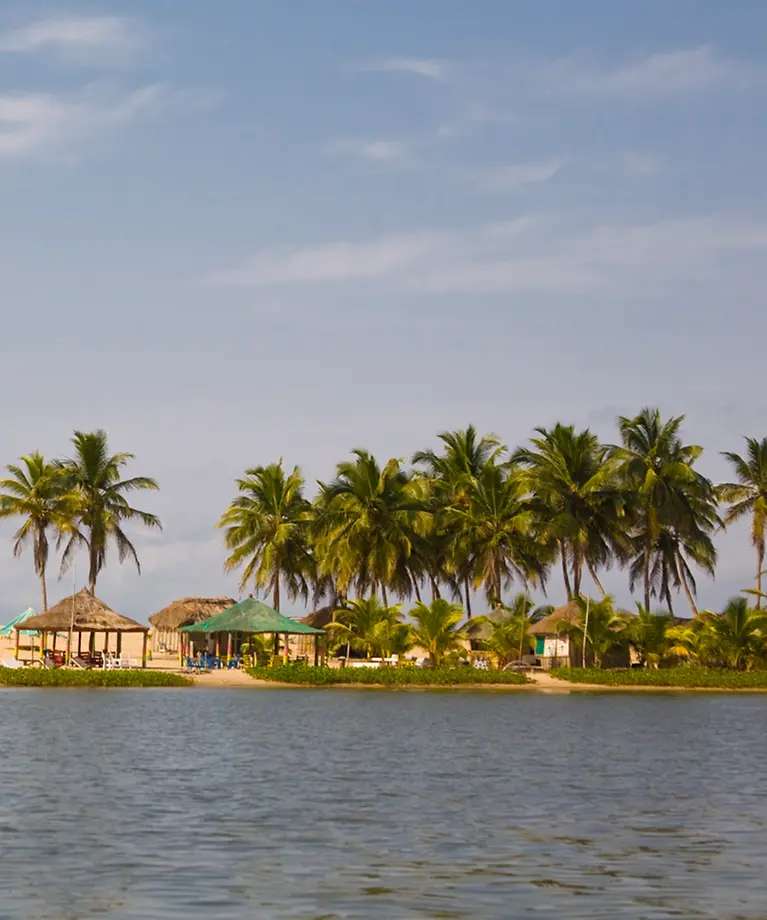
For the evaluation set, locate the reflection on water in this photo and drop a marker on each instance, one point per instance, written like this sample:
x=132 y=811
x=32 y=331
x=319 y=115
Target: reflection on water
x=353 y=804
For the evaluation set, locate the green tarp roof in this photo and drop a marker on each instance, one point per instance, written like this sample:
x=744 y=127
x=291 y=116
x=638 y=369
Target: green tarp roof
x=8 y=630
x=250 y=616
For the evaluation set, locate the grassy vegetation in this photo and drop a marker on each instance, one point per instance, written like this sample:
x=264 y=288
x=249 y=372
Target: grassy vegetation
x=702 y=678
x=63 y=677
x=386 y=677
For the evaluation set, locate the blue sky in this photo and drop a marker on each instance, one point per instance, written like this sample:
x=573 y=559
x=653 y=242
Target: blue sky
x=241 y=231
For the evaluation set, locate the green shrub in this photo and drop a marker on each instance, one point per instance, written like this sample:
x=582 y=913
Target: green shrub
x=386 y=676
x=64 y=677
x=692 y=677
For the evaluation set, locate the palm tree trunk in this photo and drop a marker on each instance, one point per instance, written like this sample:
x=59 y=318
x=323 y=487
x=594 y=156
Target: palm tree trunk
x=759 y=570
x=685 y=585
x=384 y=595
x=45 y=590
x=417 y=590
x=434 y=589
x=647 y=556
x=596 y=581
x=276 y=593
x=565 y=573
x=577 y=572
x=468 y=598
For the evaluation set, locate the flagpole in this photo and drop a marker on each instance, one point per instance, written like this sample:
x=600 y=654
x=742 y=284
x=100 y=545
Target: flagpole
x=72 y=615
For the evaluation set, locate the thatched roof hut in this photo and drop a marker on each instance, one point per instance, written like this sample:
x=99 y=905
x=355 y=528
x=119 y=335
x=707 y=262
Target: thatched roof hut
x=189 y=610
x=90 y=615
x=550 y=625
x=481 y=632
x=320 y=618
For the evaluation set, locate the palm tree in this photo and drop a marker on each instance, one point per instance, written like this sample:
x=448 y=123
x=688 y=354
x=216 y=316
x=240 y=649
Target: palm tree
x=452 y=476
x=267 y=528
x=369 y=626
x=579 y=504
x=738 y=636
x=509 y=632
x=748 y=496
x=93 y=475
x=669 y=494
x=494 y=538
x=647 y=632
x=436 y=628
x=603 y=630
x=366 y=522
x=36 y=490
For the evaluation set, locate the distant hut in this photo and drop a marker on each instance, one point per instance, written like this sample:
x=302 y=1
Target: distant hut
x=556 y=649
x=185 y=612
x=83 y=613
x=553 y=647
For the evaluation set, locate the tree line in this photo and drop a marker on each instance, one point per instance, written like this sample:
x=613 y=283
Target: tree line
x=77 y=502
x=472 y=515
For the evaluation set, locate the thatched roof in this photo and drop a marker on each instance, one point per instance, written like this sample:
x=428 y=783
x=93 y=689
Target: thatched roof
x=550 y=625
x=320 y=618
x=571 y=612
x=482 y=631
x=189 y=610
x=90 y=615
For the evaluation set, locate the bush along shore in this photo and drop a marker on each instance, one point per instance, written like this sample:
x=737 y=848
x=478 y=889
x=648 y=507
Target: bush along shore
x=387 y=677
x=683 y=677
x=63 y=677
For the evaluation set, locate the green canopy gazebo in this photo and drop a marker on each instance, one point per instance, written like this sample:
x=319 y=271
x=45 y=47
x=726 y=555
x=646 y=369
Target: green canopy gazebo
x=248 y=618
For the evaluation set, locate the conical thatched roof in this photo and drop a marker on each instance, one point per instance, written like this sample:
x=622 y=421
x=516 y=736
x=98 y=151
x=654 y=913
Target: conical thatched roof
x=320 y=617
x=550 y=625
x=189 y=610
x=90 y=615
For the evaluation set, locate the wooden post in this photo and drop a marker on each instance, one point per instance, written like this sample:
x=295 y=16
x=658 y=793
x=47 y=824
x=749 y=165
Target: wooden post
x=92 y=642
x=55 y=635
x=79 y=644
x=106 y=642
x=42 y=645
x=18 y=639
x=182 y=638
x=143 y=651
x=316 y=649
x=229 y=648
x=119 y=645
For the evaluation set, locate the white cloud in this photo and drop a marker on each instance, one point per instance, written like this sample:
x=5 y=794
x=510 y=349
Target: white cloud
x=657 y=75
x=110 y=38
x=510 y=178
x=44 y=124
x=522 y=254
x=642 y=164
x=422 y=67
x=337 y=261
x=379 y=151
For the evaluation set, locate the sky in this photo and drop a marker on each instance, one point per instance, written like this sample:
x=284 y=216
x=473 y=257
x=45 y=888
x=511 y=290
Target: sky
x=251 y=230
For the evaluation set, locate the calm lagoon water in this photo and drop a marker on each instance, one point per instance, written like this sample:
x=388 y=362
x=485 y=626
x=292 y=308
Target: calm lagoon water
x=152 y=805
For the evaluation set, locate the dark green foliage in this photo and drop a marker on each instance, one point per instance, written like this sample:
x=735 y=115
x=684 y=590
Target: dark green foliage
x=62 y=677
x=702 y=678
x=386 y=677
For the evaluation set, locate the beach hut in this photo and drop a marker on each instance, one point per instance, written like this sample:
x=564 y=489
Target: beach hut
x=248 y=618
x=553 y=647
x=556 y=649
x=83 y=613
x=185 y=612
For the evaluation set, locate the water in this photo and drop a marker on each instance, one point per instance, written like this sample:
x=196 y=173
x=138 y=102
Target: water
x=152 y=805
